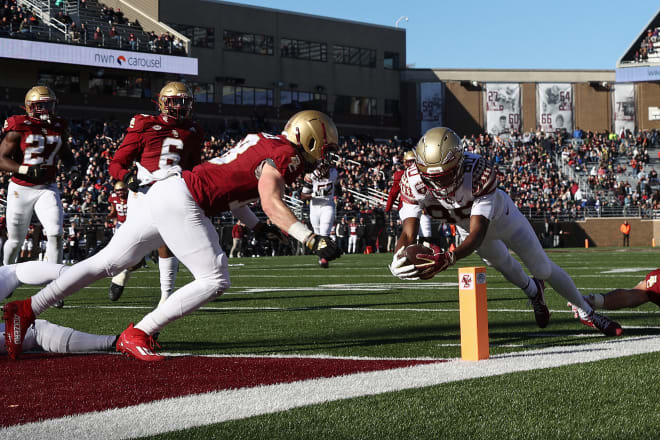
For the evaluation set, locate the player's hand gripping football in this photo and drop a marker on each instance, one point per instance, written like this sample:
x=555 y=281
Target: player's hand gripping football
x=401 y=267
x=324 y=247
x=433 y=264
x=264 y=231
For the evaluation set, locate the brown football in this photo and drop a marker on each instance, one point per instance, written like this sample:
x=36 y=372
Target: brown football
x=411 y=252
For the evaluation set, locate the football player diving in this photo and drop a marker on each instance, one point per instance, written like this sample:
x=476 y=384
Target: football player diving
x=460 y=187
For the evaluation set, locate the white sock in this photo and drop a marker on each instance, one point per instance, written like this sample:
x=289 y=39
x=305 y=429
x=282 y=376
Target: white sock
x=168 y=268
x=54 y=338
x=531 y=289
x=121 y=278
x=36 y=273
x=564 y=285
x=597 y=300
x=8 y=280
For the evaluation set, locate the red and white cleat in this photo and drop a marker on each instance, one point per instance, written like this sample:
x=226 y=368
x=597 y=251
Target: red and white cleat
x=136 y=343
x=18 y=316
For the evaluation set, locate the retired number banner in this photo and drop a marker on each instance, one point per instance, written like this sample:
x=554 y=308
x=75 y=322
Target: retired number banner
x=624 y=108
x=555 y=107
x=502 y=108
x=432 y=101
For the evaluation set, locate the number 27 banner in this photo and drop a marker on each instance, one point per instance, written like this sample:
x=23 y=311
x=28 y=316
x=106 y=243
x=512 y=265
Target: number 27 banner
x=555 y=107
x=502 y=108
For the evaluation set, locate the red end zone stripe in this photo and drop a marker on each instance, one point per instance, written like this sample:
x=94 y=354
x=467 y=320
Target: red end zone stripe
x=50 y=386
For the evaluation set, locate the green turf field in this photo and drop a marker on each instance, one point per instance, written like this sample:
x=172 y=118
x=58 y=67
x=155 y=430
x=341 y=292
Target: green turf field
x=288 y=305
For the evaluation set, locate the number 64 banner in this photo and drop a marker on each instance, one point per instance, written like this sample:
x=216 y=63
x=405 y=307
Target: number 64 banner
x=502 y=108
x=555 y=107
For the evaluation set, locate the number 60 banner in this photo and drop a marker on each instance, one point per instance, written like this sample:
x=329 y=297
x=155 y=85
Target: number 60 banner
x=502 y=108
x=554 y=107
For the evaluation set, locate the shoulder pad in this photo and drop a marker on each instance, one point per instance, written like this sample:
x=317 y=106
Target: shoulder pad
x=141 y=122
x=16 y=123
x=412 y=187
x=484 y=177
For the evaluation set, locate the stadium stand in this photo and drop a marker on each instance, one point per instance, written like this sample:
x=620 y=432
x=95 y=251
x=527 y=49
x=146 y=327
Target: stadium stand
x=85 y=22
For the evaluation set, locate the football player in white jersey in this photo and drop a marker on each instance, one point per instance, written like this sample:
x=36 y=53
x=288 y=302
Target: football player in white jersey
x=461 y=187
x=319 y=188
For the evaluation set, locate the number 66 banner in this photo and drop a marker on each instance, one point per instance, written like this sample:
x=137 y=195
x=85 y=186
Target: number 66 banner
x=555 y=107
x=502 y=108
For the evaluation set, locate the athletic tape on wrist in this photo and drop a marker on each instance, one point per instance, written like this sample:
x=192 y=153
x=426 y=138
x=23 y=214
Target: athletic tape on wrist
x=299 y=232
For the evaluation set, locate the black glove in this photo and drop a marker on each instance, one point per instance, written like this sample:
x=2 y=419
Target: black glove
x=324 y=247
x=132 y=182
x=36 y=172
x=264 y=231
x=76 y=179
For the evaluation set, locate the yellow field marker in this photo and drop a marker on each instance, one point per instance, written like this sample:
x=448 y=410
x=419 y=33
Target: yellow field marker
x=474 y=313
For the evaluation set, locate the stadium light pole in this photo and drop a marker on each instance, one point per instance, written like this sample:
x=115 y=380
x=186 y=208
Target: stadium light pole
x=403 y=17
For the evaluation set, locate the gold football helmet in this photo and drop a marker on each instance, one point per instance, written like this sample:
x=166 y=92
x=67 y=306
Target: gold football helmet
x=175 y=100
x=408 y=158
x=314 y=132
x=439 y=157
x=121 y=188
x=40 y=103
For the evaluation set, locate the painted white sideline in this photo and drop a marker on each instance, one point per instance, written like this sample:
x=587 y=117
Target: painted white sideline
x=198 y=410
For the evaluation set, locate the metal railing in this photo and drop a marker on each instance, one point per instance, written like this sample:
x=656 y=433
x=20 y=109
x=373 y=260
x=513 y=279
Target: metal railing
x=42 y=10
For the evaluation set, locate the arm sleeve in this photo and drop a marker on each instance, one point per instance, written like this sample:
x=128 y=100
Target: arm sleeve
x=125 y=155
x=394 y=194
x=245 y=214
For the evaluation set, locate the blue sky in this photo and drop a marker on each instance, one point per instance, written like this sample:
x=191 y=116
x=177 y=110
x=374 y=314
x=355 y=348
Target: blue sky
x=505 y=34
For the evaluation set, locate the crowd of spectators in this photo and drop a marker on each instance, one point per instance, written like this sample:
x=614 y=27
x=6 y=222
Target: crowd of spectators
x=17 y=22
x=649 y=45
x=532 y=169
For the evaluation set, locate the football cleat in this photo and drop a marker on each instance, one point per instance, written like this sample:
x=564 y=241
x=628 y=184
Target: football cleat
x=600 y=322
x=136 y=343
x=18 y=316
x=323 y=263
x=541 y=312
x=115 y=291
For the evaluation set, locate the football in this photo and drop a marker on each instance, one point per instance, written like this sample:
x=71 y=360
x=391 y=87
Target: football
x=411 y=252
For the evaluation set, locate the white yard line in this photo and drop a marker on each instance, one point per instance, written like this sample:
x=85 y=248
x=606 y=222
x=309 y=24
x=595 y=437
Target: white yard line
x=198 y=410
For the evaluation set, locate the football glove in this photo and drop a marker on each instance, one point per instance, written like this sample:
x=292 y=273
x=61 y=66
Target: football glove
x=264 y=231
x=324 y=247
x=400 y=269
x=132 y=182
x=439 y=261
x=33 y=172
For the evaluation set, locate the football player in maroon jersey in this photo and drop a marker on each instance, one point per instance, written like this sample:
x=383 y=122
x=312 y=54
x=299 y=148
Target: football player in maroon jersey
x=176 y=211
x=29 y=149
x=118 y=201
x=647 y=290
x=167 y=142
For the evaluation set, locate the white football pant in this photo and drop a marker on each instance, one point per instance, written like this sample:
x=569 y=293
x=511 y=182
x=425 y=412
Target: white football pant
x=168 y=215
x=322 y=216
x=53 y=338
x=44 y=201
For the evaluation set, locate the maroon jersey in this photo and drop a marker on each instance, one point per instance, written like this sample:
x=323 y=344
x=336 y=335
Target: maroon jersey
x=120 y=206
x=230 y=181
x=653 y=286
x=158 y=142
x=40 y=143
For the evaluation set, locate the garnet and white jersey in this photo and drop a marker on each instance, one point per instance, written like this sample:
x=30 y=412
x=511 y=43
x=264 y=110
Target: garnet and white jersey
x=120 y=206
x=40 y=144
x=477 y=195
x=322 y=188
x=158 y=143
x=231 y=180
x=653 y=286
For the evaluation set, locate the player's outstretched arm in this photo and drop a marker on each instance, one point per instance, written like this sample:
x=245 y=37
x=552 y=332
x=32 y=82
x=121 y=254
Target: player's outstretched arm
x=478 y=229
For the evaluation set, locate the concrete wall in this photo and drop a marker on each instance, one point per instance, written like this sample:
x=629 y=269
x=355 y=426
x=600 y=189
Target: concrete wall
x=604 y=232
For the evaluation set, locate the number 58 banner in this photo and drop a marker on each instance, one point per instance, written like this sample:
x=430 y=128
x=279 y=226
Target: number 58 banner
x=554 y=104
x=502 y=108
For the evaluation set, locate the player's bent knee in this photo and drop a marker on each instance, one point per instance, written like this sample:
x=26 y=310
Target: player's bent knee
x=541 y=270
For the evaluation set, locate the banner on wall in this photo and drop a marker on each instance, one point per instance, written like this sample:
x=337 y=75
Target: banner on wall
x=432 y=104
x=623 y=107
x=554 y=107
x=503 y=114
